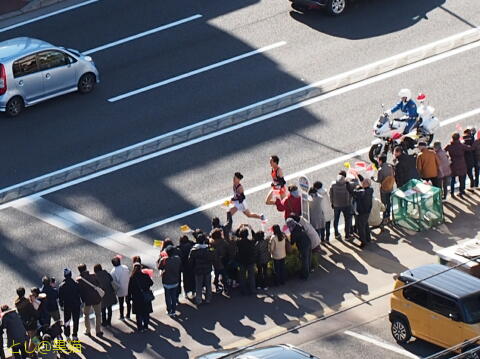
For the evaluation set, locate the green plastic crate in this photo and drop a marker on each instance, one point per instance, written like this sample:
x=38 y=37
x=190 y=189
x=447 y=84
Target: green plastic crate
x=417 y=206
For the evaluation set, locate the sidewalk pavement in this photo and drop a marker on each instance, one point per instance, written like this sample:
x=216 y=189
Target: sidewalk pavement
x=346 y=276
x=12 y=8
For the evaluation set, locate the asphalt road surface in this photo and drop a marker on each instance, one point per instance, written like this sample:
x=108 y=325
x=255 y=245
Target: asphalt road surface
x=203 y=59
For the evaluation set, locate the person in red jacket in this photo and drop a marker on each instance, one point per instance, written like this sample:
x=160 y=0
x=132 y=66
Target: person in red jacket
x=290 y=204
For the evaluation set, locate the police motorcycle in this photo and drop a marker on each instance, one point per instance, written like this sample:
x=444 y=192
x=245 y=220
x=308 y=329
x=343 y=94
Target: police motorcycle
x=388 y=132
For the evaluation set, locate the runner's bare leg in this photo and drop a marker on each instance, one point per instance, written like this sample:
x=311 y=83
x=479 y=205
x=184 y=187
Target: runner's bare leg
x=251 y=215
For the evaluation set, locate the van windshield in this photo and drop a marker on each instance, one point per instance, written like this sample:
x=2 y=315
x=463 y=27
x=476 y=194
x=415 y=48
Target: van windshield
x=472 y=309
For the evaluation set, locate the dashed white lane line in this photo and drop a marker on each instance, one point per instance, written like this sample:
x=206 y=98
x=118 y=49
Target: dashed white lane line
x=266 y=185
x=382 y=344
x=142 y=34
x=47 y=15
x=196 y=72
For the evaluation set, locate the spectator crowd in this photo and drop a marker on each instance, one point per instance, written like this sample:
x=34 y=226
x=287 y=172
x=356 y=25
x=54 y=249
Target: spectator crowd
x=242 y=258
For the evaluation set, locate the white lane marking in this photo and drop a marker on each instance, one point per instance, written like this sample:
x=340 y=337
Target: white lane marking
x=210 y=120
x=382 y=344
x=224 y=131
x=196 y=72
x=47 y=15
x=142 y=34
x=266 y=185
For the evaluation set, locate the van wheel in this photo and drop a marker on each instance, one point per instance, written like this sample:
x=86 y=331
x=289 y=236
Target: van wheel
x=14 y=106
x=401 y=331
x=86 y=83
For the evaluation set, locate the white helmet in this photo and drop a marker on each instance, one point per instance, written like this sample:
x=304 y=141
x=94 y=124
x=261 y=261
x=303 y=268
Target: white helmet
x=405 y=93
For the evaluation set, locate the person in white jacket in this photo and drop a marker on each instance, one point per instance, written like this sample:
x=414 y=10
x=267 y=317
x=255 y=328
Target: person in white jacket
x=376 y=218
x=321 y=208
x=121 y=276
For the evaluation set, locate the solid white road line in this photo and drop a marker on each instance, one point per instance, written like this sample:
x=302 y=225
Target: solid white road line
x=382 y=344
x=266 y=185
x=213 y=119
x=47 y=15
x=227 y=130
x=142 y=34
x=196 y=72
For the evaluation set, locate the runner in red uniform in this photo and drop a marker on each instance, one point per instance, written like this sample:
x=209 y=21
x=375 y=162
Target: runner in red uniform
x=238 y=199
x=278 y=182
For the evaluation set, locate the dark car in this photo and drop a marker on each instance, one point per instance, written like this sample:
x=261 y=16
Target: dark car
x=283 y=351
x=333 y=7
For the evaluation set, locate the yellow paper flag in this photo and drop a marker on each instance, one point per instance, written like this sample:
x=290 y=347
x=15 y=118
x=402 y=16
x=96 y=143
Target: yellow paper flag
x=346 y=164
x=185 y=229
x=157 y=243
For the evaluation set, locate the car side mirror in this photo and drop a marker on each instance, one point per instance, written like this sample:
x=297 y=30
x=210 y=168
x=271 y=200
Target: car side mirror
x=454 y=317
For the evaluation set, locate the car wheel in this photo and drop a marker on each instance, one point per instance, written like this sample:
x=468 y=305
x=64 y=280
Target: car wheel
x=336 y=7
x=401 y=331
x=14 y=106
x=86 y=83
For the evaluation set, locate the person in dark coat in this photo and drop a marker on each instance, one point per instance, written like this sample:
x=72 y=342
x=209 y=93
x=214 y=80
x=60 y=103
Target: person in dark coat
x=262 y=257
x=201 y=259
x=362 y=198
x=109 y=299
x=70 y=302
x=16 y=333
x=469 y=156
x=226 y=228
x=39 y=302
x=299 y=237
x=405 y=167
x=170 y=267
x=220 y=247
x=246 y=261
x=188 y=277
x=139 y=284
x=51 y=291
x=91 y=299
x=28 y=314
x=456 y=150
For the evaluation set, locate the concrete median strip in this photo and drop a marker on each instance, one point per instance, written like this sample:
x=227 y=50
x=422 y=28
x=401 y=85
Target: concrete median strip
x=246 y=116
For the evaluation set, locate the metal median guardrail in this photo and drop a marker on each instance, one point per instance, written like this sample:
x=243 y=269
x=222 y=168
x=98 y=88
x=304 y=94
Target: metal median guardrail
x=232 y=118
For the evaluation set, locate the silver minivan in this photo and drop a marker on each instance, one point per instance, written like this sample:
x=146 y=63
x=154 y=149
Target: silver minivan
x=32 y=70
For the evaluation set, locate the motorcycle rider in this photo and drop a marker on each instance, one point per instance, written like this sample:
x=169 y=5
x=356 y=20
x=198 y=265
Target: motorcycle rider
x=408 y=107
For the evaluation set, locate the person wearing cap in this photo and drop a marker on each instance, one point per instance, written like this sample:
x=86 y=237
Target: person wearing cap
x=70 y=302
x=408 y=107
x=427 y=164
x=170 y=267
x=362 y=204
x=121 y=275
